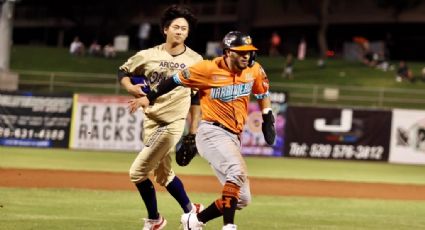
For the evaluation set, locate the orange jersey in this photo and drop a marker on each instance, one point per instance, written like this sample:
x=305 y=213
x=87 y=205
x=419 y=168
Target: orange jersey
x=224 y=94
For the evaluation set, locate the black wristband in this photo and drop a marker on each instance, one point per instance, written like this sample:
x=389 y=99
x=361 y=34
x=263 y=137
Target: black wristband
x=121 y=74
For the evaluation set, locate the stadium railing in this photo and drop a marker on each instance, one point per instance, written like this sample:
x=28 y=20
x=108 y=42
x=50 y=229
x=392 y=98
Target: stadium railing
x=299 y=94
x=353 y=96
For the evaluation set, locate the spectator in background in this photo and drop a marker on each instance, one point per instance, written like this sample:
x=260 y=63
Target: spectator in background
x=288 y=69
x=95 y=49
x=382 y=62
x=368 y=57
x=389 y=45
x=423 y=74
x=143 y=35
x=302 y=49
x=274 y=44
x=77 y=47
x=404 y=73
x=109 y=51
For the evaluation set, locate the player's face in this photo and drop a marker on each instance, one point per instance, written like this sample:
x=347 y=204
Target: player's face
x=177 y=32
x=239 y=59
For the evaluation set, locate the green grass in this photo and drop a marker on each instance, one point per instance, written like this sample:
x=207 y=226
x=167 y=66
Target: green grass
x=307 y=74
x=43 y=58
x=52 y=209
x=356 y=74
x=13 y=157
x=71 y=209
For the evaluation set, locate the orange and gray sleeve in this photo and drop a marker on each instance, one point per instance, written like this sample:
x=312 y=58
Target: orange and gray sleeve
x=195 y=76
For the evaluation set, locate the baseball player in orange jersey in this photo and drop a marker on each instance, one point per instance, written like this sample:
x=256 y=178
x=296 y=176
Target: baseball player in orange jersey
x=225 y=85
x=165 y=122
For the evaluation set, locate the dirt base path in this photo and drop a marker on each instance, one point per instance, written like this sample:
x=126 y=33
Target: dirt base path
x=25 y=178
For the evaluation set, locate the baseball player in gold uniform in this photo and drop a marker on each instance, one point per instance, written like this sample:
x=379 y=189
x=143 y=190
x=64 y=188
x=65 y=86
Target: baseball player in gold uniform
x=164 y=123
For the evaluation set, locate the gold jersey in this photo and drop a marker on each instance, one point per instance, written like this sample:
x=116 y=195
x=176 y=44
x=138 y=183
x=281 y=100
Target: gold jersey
x=157 y=65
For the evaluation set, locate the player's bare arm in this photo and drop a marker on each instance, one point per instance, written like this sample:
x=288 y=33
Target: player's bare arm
x=265 y=104
x=125 y=81
x=137 y=103
x=195 y=113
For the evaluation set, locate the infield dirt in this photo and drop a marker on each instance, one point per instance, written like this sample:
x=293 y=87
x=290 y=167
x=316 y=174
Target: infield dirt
x=29 y=178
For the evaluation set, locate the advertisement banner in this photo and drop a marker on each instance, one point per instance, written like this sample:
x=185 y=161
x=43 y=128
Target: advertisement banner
x=330 y=133
x=408 y=137
x=252 y=138
x=102 y=122
x=35 y=120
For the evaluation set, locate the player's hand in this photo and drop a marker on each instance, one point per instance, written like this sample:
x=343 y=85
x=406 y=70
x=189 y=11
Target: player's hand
x=136 y=90
x=141 y=102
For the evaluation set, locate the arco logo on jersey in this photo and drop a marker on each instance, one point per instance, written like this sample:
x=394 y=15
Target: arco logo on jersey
x=172 y=65
x=231 y=92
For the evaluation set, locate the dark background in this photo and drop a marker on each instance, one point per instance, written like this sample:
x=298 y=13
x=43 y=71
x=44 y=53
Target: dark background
x=401 y=24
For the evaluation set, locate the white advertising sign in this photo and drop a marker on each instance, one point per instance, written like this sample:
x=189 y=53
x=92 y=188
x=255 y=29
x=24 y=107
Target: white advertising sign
x=102 y=122
x=408 y=137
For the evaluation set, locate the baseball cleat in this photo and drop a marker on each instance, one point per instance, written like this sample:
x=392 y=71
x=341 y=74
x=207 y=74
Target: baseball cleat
x=189 y=221
x=229 y=227
x=155 y=224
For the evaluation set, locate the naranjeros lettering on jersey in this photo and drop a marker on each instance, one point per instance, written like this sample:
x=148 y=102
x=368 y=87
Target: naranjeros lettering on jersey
x=224 y=94
x=231 y=92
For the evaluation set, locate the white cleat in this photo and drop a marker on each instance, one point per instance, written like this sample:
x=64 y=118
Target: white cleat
x=155 y=224
x=229 y=227
x=189 y=221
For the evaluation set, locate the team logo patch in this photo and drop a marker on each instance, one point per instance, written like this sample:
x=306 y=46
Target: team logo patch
x=247 y=40
x=186 y=73
x=228 y=40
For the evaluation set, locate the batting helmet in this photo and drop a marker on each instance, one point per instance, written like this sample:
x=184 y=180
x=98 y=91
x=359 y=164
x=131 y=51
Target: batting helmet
x=235 y=40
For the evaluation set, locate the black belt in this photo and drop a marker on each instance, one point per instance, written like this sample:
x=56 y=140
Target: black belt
x=224 y=127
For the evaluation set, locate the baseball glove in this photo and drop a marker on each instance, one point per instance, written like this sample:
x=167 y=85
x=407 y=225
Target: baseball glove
x=187 y=150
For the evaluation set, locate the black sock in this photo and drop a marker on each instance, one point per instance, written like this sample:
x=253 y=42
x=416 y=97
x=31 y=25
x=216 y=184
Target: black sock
x=229 y=201
x=176 y=189
x=147 y=191
x=229 y=209
x=211 y=212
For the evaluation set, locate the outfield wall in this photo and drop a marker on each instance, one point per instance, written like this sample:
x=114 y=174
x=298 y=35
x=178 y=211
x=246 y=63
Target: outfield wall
x=101 y=122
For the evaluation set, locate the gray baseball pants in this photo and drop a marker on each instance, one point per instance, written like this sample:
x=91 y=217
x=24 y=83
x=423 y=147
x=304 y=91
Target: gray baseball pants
x=222 y=150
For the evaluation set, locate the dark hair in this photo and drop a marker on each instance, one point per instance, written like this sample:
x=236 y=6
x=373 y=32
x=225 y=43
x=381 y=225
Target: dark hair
x=174 y=12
